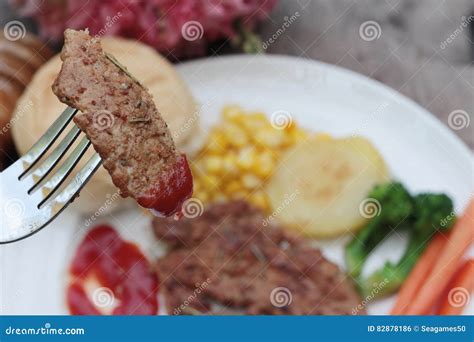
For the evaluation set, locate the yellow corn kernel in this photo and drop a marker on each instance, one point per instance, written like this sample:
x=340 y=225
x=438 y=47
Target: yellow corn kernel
x=246 y=158
x=259 y=198
x=230 y=164
x=214 y=164
x=232 y=112
x=266 y=158
x=202 y=196
x=270 y=138
x=232 y=187
x=258 y=116
x=250 y=181
x=235 y=135
x=298 y=136
x=255 y=124
x=210 y=182
x=216 y=142
x=323 y=137
x=263 y=170
x=265 y=165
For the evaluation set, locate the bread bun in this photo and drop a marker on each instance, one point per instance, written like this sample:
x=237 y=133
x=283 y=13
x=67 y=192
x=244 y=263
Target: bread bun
x=38 y=107
x=19 y=59
x=8 y=96
x=31 y=42
x=22 y=52
x=15 y=69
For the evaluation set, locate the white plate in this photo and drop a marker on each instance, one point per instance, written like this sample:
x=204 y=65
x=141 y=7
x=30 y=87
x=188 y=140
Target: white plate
x=419 y=150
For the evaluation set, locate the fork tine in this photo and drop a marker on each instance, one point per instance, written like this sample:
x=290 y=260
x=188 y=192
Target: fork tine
x=43 y=144
x=66 y=168
x=45 y=168
x=72 y=189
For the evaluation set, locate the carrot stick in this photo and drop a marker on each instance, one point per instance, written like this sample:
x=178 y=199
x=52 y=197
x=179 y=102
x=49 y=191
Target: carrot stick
x=457 y=294
x=460 y=239
x=418 y=274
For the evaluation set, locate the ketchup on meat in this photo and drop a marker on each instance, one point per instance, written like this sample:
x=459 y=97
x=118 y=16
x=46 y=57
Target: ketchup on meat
x=168 y=194
x=117 y=265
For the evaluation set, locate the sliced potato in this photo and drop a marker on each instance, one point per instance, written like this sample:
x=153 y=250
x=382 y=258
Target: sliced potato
x=319 y=185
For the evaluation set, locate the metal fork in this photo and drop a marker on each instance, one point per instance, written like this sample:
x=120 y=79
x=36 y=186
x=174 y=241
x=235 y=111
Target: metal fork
x=31 y=194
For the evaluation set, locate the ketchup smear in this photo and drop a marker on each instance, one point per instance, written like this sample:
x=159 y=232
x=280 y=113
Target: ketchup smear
x=174 y=186
x=119 y=267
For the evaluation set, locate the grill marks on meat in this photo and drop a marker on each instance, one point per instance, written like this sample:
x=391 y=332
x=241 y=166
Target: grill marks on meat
x=122 y=122
x=226 y=262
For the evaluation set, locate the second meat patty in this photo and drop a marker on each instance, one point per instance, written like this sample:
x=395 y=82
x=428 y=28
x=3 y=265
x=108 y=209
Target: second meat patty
x=227 y=261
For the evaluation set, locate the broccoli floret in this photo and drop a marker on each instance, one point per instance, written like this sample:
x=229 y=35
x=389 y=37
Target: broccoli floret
x=431 y=213
x=394 y=207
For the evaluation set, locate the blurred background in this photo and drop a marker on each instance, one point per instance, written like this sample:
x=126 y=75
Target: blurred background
x=423 y=49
